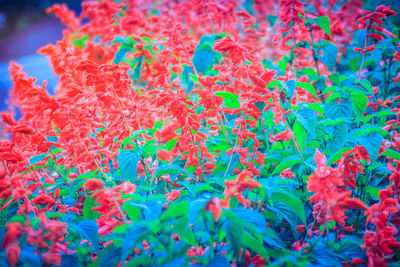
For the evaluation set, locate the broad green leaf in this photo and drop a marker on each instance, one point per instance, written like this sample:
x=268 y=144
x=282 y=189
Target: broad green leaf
x=391 y=154
x=185 y=232
x=300 y=134
x=230 y=100
x=286 y=163
x=308 y=87
x=360 y=102
x=307 y=118
x=175 y=210
x=88 y=206
x=338 y=155
x=291 y=201
x=235 y=230
x=373 y=191
x=323 y=23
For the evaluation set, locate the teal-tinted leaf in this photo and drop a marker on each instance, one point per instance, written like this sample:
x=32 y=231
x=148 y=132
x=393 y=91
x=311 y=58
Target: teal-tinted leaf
x=372 y=142
x=339 y=137
x=335 y=111
x=128 y=161
x=291 y=85
x=218 y=261
x=120 y=55
x=307 y=118
x=204 y=54
x=29 y=257
x=203 y=58
x=109 y=256
x=254 y=245
x=230 y=100
x=88 y=229
x=366 y=84
x=329 y=54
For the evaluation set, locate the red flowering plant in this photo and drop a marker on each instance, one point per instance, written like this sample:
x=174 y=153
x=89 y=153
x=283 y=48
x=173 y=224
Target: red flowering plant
x=207 y=133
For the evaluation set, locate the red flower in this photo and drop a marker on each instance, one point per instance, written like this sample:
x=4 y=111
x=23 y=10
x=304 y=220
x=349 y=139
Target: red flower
x=215 y=208
x=284 y=136
x=51 y=258
x=287 y=173
x=14 y=232
x=12 y=253
x=93 y=184
x=174 y=194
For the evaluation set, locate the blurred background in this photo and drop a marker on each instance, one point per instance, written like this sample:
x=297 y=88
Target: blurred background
x=24 y=28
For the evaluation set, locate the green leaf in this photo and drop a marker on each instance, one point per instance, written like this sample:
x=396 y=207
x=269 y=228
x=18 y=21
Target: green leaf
x=128 y=161
x=294 y=203
x=88 y=211
x=286 y=163
x=176 y=210
x=230 y=100
x=234 y=230
x=253 y=244
x=391 y=154
x=307 y=118
x=338 y=155
x=185 y=232
x=323 y=23
x=134 y=213
x=140 y=261
x=300 y=133
x=366 y=84
x=360 y=102
x=373 y=191
x=308 y=87
x=329 y=54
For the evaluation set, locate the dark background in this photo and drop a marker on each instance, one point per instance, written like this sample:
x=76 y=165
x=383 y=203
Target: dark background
x=24 y=28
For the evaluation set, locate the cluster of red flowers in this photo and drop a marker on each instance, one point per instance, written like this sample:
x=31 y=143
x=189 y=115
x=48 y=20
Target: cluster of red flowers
x=329 y=184
x=368 y=20
x=185 y=87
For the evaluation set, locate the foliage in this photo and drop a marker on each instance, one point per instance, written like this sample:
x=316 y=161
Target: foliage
x=208 y=133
